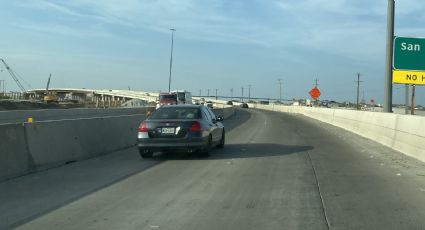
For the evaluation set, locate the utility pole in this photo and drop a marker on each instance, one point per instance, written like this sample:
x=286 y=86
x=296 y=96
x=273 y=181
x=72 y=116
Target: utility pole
x=406 y=100
x=200 y=92
x=242 y=94
x=231 y=94
x=249 y=93
x=208 y=93
x=171 y=58
x=2 y=86
x=316 y=82
x=358 y=89
x=216 y=97
x=280 y=90
x=388 y=97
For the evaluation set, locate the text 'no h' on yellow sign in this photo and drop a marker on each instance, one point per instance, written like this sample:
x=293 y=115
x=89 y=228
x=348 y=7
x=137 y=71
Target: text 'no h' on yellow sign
x=409 y=77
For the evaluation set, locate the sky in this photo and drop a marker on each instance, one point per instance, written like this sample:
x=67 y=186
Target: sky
x=218 y=44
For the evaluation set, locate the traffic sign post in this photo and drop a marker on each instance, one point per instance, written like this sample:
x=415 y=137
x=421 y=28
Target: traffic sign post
x=409 y=54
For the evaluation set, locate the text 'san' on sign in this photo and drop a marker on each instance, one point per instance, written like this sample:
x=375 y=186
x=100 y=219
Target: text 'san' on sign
x=409 y=54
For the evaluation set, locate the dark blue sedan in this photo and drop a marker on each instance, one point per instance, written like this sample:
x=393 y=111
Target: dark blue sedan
x=188 y=128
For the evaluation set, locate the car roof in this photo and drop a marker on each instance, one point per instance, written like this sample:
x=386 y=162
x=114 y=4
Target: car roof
x=167 y=93
x=189 y=106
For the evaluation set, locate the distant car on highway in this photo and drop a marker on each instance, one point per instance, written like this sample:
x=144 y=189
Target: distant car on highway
x=166 y=99
x=188 y=128
x=210 y=104
x=229 y=103
x=244 y=105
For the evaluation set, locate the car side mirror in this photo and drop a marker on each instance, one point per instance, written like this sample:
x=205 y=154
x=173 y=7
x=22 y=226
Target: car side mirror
x=220 y=118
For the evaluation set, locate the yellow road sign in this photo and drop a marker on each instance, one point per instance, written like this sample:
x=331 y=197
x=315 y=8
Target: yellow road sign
x=409 y=77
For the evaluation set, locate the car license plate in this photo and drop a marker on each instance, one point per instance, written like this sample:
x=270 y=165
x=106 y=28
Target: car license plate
x=168 y=130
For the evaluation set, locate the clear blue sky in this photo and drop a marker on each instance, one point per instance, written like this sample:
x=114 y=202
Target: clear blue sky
x=218 y=44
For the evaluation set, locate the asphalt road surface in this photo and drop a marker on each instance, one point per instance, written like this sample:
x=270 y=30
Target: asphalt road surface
x=277 y=171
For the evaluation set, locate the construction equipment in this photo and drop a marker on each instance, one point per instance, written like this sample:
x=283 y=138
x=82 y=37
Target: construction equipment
x=49 y=97
x=15 y=78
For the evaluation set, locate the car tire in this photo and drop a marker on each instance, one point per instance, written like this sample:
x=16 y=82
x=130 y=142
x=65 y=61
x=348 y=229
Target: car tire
x=222 y=141
x=206 y=151
x=145 y=153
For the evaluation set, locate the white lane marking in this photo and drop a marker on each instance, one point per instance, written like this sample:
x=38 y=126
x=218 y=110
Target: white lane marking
x=398 y=174
x=382 y=164
x=422 y=189
x=154 y=226
x=371 y=156
x=363 y=150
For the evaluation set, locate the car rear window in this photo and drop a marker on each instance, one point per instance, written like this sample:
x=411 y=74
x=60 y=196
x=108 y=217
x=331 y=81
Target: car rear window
x=167 y=96
x=176 y=113
x=181 y=96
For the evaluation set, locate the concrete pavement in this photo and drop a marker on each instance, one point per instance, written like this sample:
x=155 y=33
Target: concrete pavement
x=277 y=171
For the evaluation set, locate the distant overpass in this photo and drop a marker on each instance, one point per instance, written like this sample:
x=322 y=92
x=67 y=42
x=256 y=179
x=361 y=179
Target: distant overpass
x=95 y=95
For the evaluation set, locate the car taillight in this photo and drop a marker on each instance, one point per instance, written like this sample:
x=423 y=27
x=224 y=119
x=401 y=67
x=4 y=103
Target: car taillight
x=196 y=127
x=143 y=128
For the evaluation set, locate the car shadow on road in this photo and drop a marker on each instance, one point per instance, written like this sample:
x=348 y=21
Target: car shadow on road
x=233 y=151
x=239 y=118
x=251 y=150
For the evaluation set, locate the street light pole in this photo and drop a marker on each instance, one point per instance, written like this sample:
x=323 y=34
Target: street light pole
x=171 y=58
x=388 y=98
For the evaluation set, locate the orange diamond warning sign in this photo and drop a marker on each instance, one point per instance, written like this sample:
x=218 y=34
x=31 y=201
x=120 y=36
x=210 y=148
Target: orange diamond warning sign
x=314 y=93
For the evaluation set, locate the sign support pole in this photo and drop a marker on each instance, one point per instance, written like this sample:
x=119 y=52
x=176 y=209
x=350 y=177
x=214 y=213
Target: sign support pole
x=412 y=106
x=406 y=99
x=389 y=57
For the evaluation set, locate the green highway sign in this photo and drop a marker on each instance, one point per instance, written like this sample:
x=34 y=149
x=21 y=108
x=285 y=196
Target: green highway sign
x=409 y=54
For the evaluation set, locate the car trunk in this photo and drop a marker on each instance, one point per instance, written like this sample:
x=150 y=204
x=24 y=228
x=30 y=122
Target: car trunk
x=168 y=129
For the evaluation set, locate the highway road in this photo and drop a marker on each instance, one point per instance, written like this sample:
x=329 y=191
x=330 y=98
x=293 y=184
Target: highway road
x=277 y=171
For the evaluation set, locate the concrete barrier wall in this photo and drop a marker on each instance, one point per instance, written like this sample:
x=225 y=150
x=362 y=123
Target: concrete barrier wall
x=57 y=142
x=58 y=114
x=404 y=133
x=34 y=146
x=14 y=156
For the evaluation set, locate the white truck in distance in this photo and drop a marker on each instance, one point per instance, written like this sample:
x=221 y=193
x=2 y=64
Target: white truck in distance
x=183 y=96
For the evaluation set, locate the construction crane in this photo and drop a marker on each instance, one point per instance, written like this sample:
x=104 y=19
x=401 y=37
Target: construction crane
x=49 y=98
x=14 y=76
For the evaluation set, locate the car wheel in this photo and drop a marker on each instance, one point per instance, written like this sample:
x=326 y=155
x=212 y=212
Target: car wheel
x=222 y=141
x=206 y=151
x=145 y=153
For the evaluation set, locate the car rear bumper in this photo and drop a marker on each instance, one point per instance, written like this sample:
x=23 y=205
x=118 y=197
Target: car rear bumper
x=172 y=144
